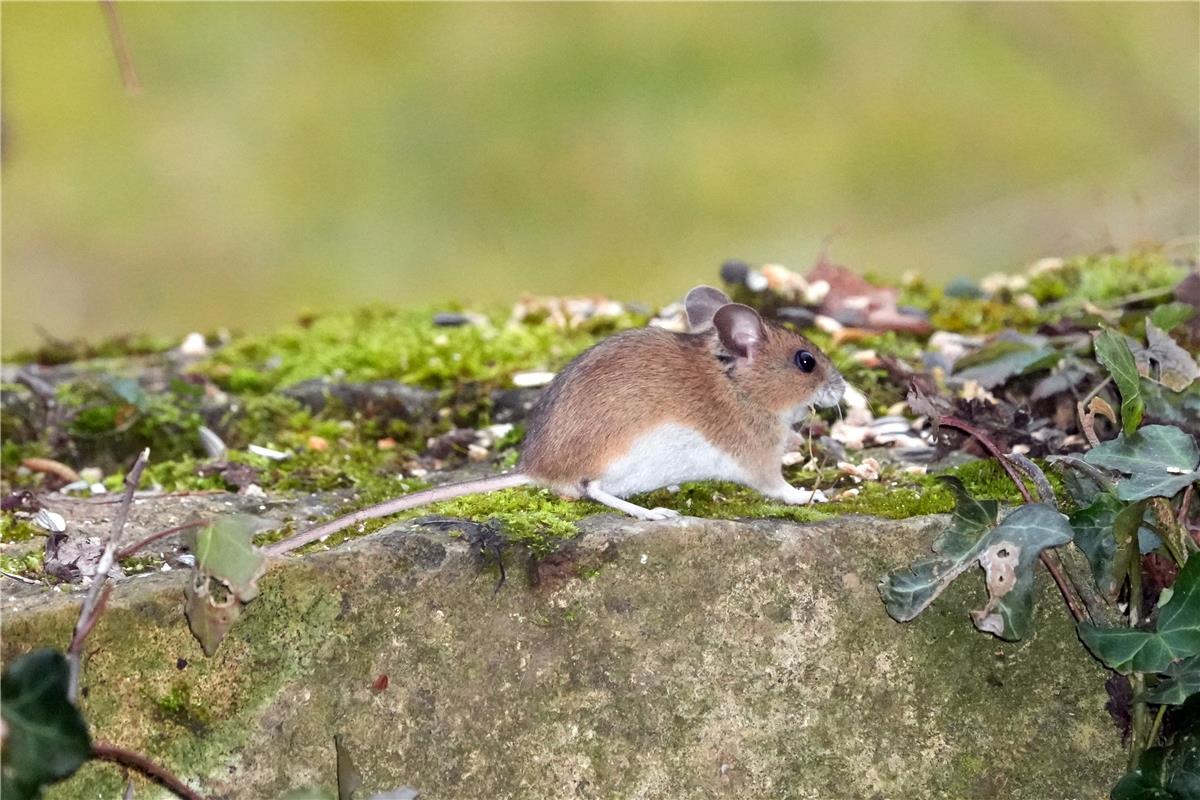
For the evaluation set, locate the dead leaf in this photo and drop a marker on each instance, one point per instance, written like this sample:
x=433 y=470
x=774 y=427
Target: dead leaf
x=208 y=619
x=851 y=296
x=999 y=563
x=1169 y=364
x=224 y=580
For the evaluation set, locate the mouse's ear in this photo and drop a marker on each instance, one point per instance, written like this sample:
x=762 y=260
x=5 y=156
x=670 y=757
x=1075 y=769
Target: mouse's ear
x=740 y=329
x=701 y=304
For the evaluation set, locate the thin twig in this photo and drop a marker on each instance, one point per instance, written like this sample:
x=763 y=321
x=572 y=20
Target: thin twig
x=91 y=605
x=20 y=578
x=126 y=552
x=1157 y=726
x=990 y=446
x=136 y=761
x=1045 y=491
x=116 y=33
x=82 y=633
x=1137 y=297
x=1185 y=505
x=1138 y=726
x=1053 y=566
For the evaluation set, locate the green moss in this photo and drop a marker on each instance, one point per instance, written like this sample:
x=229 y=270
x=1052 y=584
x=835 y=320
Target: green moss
x=28 y=564
x=179 y=707
x=15 y=529
x=531 y=517
x=58 y=351
x=897 y=499
x=380 y=343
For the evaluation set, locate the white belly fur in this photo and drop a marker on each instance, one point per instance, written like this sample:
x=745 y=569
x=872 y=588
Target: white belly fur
x=667 y=455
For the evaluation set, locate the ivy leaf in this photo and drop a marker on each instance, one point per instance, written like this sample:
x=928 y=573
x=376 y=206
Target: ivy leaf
x=1113 y=352
x=1182 y=680
x=1008 y=561
x=908 y=592
x=1006 y=553
x=1007 y=356
x=1161 y=458
x=223 y=551
x=1093 y=527
x=45 y=737
x=1177 y=636
x=1164 y=773
x=225 y=579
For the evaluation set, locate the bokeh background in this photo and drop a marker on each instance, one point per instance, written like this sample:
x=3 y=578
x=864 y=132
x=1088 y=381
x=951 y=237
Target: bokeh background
x=288 y=157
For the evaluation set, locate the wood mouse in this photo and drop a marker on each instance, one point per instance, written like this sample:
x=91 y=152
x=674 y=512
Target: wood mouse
x=649 y=408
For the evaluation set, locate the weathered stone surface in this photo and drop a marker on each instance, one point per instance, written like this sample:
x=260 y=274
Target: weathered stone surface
x=688 y=658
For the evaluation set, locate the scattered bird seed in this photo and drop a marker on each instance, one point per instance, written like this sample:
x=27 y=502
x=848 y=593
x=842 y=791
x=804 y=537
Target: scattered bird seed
x=526 y=380
x=267 y=452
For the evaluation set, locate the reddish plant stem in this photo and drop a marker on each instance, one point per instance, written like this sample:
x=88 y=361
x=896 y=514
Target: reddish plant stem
x=129 y=76
x=126 y=552
x=990 y=446
x=136 y=761
x=1051 y=563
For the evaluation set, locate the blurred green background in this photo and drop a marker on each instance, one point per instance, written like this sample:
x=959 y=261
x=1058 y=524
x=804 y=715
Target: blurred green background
x=312 y=156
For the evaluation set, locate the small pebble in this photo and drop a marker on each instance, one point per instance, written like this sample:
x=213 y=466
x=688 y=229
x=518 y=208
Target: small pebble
x=757 y=282
x=450 y=319
x=797 y=315
x=387 y=443
x=963 y=288
x=318 y=443
x=734 y=272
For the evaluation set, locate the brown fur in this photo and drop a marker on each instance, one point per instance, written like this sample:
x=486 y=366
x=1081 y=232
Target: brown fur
x=637 y=380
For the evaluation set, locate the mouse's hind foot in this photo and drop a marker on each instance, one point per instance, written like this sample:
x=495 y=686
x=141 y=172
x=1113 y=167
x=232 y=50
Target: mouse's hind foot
x=593 y=491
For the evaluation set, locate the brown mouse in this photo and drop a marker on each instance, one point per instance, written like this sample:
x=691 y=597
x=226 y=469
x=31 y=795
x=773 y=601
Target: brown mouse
x=649 y=408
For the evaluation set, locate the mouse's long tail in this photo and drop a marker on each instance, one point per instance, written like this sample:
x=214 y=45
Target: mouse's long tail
x=396 y=505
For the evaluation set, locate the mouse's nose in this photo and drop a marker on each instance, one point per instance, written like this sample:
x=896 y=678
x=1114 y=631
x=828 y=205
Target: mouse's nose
x=832 y=392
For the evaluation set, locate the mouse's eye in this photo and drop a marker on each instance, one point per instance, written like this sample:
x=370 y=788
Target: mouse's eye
x=805 y=361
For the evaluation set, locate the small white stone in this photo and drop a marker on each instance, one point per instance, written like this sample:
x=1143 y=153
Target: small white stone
x=644 y=558
x=194 y=345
